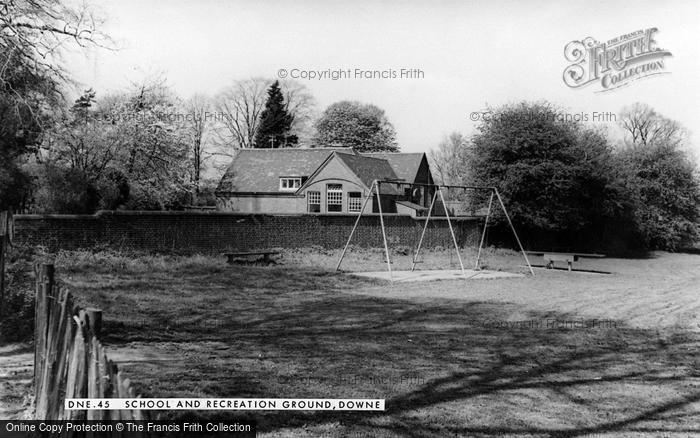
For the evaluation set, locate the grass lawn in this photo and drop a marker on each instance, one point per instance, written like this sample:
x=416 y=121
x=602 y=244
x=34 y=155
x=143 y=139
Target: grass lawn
x=559 y=354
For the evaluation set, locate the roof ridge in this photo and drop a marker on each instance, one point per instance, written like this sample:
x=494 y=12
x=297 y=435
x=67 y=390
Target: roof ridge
x=291 y=149
x=392 y=153
x=371 y=158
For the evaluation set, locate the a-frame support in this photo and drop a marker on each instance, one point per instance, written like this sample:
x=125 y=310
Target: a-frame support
x=425 y=227
x=483 y=234
x=375 y=189
x=498 y=195
x=449 y=224
x=357 y=221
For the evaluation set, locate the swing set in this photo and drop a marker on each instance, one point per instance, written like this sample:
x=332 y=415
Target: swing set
x=493 y=194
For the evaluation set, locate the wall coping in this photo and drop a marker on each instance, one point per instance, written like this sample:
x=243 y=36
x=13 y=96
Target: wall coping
x=106 y=213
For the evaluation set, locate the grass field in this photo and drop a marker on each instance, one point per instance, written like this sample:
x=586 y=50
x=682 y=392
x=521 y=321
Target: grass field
x=560 y=354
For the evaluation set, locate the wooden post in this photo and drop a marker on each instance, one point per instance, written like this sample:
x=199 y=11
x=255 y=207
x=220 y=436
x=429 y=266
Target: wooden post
x=483 y=234
x=3 y=247
x=454 y=239
x=386 y=244
x=47 y=379
x=44 y=285
x=503 y=206
x=420 y=242
x=359 y=216
x=94 y=317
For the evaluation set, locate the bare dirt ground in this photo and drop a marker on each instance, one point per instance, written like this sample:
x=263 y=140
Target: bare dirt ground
x=16 y=367
x=451 y=358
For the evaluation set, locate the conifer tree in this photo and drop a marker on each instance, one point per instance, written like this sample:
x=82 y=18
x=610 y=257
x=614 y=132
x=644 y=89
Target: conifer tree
x=275 y=122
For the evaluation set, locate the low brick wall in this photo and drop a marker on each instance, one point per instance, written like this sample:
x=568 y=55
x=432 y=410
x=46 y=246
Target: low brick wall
x=211 y=232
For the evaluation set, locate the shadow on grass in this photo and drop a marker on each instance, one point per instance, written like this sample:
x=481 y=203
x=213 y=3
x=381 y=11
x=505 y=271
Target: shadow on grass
x=445 y=368
x=695 y=250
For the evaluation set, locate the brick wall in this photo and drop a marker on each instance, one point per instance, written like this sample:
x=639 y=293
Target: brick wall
x=210 y=232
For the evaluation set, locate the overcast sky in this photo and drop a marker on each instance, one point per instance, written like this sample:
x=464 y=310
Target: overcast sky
x=471 y=53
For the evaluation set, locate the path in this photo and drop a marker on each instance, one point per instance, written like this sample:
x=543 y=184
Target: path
x=16 y=368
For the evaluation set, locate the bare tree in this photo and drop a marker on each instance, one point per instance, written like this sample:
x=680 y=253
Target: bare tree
x=239 y=106
x=34 y=32
x=643 y=126
x=448 y=161
x=198 y=120
x=301 y=104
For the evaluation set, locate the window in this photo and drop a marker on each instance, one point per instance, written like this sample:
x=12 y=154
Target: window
x=354 y=202
x=313 y=200
x=334 y=197
x=290 y=184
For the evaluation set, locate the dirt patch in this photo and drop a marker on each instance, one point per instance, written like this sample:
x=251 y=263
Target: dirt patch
x=658 y=293
x=16 y=372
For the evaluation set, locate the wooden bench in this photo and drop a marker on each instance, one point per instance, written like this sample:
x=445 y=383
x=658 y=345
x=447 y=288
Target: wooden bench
x=568 y=257
x=231 y=256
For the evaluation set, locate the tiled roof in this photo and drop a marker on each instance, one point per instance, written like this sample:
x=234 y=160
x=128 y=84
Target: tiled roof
x=259 y=170
x=405 y=165
x=368 y=168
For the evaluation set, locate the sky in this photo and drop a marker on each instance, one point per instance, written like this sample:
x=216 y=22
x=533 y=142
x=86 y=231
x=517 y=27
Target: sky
x=471 y=54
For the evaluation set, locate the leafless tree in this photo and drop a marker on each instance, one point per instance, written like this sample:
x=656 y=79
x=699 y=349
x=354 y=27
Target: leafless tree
x=448 y=161
x=239 y=107
x=34 y=32
x=198 y=121
x=301 y=104
x=643 y=126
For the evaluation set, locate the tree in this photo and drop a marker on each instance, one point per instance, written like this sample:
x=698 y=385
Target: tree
x=301 y=105
x=449 y=160
x=154 y=146
x=197 y=125
x=240 y=106
x=81 y=139
x=661 y=179
x=23 y=94
x=554 y=175
x=364 y=127
x=275 y=122
x=132 y=148
x=78 y=161
x=64 y=191
x=33 y=34
x=643 y=126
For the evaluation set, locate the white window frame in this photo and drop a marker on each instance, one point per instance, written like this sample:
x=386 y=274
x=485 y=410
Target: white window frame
x=290 y=183
x=313 y=195
x=334 y=193
x=354 y=202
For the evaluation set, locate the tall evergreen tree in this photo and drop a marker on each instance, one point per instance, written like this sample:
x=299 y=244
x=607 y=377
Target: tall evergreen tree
x=275 y=122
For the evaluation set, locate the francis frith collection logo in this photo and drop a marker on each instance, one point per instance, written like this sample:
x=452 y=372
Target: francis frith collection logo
x=616 y=62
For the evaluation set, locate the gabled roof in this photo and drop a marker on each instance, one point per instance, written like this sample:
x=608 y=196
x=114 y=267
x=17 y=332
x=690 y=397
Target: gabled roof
x=368 y=168
x=259 y=170
x=405 y=165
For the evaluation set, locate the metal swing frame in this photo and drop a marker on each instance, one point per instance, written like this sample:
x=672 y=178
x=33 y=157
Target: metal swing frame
x=374 y=189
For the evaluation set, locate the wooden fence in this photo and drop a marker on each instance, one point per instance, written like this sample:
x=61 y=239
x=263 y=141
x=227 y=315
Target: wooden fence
x=69 y=360
x=5 y=239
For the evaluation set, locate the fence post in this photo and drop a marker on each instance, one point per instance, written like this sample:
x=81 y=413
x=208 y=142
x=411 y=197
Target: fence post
x=3 y=247
x=94 y=317
x=69 y=359
x=44 y=287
